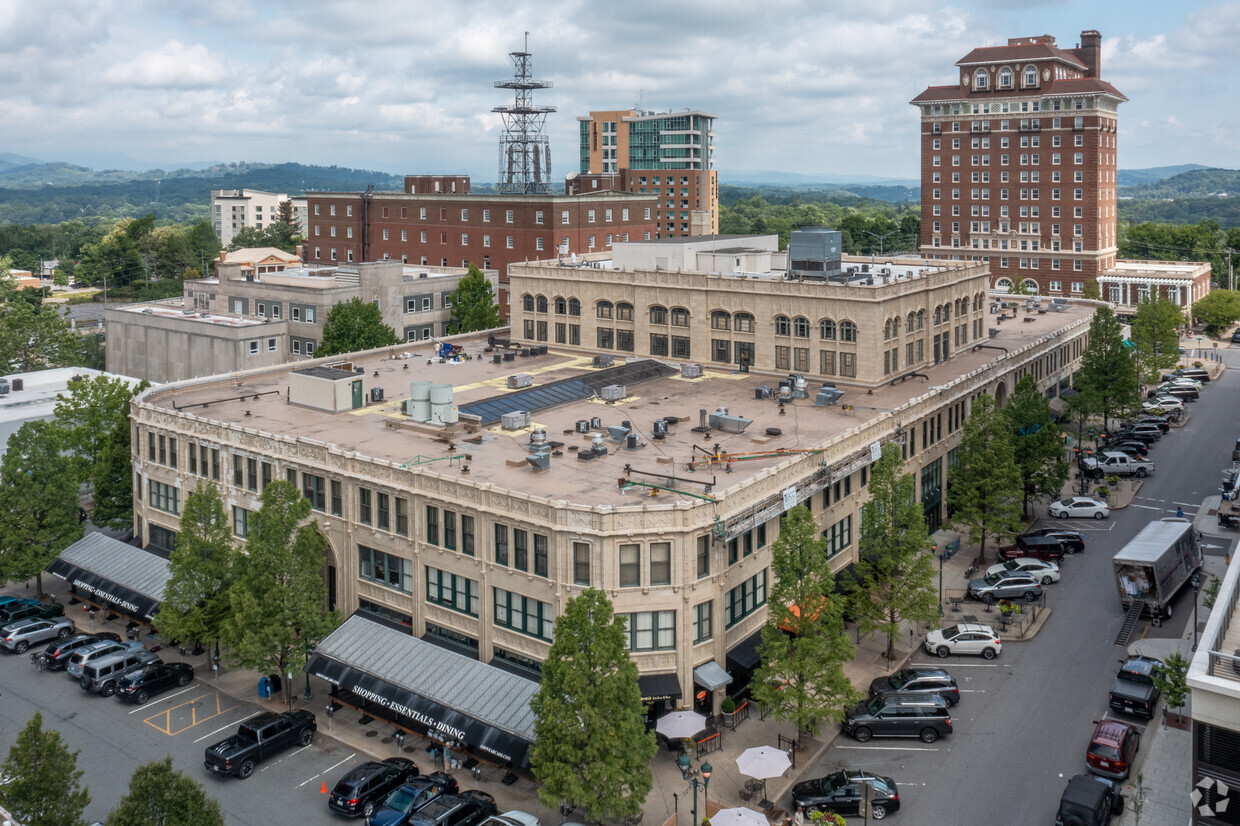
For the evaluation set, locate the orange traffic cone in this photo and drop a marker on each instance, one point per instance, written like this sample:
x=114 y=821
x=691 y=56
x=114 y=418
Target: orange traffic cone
x=324 y=789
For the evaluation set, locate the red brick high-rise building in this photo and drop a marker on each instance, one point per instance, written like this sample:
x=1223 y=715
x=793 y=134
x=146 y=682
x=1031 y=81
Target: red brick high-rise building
x=1018 y=163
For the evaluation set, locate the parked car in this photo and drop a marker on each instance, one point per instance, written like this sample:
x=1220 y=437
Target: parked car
x=886 y=715
x=914 y=682
x=56 y=655
x=1163 y=404
x=1006 y=585
x=1188 y=394
x=1235 y=337
x=1198 y=373
x=139 y=686
x=1134 y=691
x=104 y=674
x=512 y=817
x=1134 y=448
x=415 y=794
x=1073 y=541
x=103 y=648
x=19 y=636
x=1159 y=421
x=1045 y=572
x=1112 y=749
x=964 y=638
x=1079 y=506
x=1148 y=436
x=368 y=785
x=1037 y=547
x=464 y=809
x=6 y=601
x=37 y=610
x=841 y=791
x=257 y=739
x=1089 y=800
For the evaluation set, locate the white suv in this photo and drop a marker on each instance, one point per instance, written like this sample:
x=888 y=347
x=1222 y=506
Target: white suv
x=965 y=638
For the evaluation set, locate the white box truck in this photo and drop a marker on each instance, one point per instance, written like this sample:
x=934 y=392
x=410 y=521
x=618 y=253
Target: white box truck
x=1156 y=564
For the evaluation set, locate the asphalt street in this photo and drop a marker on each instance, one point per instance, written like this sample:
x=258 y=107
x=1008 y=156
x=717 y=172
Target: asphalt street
x=1024 y=720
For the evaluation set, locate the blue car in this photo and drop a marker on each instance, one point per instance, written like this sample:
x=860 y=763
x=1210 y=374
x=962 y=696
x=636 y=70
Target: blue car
x=412 y=796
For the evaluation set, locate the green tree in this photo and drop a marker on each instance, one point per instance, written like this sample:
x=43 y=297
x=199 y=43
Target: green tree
x=591 y=747
x=284 y=233
x=473 y=304
x=985 y=487
x=38 y=503
x=1218 y=310
x=60 y=277
x=1173 y=683
x=111 y=481
x=40 y=784
x=1091 y=291
x=1108 y=375
x=804 y=646
x=278 y=598
x=895 y=572
x=354 y=325
x=1036 y=443
x=35 y=338
x=89 y=415
x=159 y=795
x=1155 y=336
x=196 y=597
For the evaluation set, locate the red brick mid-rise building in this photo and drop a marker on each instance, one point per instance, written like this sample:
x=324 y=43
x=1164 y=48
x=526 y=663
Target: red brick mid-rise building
x=438 y=221
x=1018 y=163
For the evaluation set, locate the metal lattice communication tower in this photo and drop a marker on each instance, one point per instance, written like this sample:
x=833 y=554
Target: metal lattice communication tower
x=524 y=149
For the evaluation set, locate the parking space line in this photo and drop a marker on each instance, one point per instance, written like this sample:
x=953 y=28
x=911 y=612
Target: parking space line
x=166 y=715
x=929 y=663
x=326 y=770
x=221 y=728
x=885 y=748
x=285 y=757
x=161 y=699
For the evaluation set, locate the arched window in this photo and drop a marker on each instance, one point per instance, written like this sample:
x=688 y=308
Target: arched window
x=658 y=314
x=1005 y=78
x=561 y=306
x=886 y=330
x=604 y=309
x=947 y=313
x=680 y=317
x=624 y=311
x=1003 y=284
x=541 y=303
x=743 y=322
x=720 y=320
x=574 y=306
x=1031 y=286
x=783 y=325
x=910 y=323
x=921 y=319
x=800 y=327
x=979 y=79
x=848 y=331
x=1031 y=76
x=938 y=315
x=826 y=330
x=962 y=307
x=527 y=303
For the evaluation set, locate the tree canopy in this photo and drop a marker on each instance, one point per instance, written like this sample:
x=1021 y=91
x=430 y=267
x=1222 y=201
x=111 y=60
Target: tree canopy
x=1036 y=444
x=354 y=325
x=1218 y=310
x=985 y=489
x=1108 y=376
x=591 y=747
x=34 y=336
x=473 y=304
x=40 y=783
x=801 y=677
x=196 y=597
x=1155 y=336
x=159 y=795
x=89 y=416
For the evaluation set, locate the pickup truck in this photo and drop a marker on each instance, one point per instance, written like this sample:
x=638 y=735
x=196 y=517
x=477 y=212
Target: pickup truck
x=257 y=739
x=1114 y=463
x=1133 y=691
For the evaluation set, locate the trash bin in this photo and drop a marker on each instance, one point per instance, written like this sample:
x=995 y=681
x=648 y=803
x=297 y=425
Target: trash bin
x=264 y=687
x=276 y=684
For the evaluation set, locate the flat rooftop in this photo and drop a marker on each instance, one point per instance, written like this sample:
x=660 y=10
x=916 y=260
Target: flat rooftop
x=178 y=310
x=498 y=456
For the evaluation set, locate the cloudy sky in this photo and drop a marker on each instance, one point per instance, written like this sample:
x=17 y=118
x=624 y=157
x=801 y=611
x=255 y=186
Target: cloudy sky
x=405 y=86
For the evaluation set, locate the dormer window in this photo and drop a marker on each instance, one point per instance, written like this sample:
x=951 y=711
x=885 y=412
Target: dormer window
x=1031 y=76
x=980 y=79
x=1005 y=78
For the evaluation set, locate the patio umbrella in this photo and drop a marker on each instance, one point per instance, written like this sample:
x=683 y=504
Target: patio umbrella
x=680 y=724
x=739 y=816
x=763 y=762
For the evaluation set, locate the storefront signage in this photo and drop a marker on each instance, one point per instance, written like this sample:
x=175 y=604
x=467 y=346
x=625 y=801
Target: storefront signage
x=86 y=586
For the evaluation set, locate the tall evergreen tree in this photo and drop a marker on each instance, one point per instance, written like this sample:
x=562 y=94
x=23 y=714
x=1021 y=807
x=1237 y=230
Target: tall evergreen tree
x=196 y=598
x=591 y=747
x=1156 y=336
x=354 y=325
x=895 y=568
x=38 y=503
x=473 y=304
x=804 y=646
x=1108 y=376
x=985 y=485
x=1036 y=443
x=40 y=784
x=278 y=598
x=159 y=795
x=111 y=481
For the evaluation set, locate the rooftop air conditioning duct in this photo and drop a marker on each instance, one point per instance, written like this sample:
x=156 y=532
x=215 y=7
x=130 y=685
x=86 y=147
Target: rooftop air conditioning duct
x=614 y=392
x=691 y=371
x=604 y=361
x=826 y=396
x=617 y=434
x=515 y=420
x=520 y=380
x=762 y=392
x=596 y=423
x=540 y=460
x=721 y=420
x=583 y=426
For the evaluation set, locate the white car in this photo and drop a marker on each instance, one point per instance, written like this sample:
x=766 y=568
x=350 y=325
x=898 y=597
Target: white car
x=1046 y=572
x=965 y=638
x=1164 y=403
x=1075 y=506
x=1182 y=382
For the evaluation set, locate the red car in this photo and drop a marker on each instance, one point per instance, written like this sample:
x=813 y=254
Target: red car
x=1046 y=548
x=1112 y=749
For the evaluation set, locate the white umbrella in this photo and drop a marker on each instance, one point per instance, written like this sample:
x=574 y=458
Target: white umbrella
x=739 y=816
x=763 y=762
x=680 y=724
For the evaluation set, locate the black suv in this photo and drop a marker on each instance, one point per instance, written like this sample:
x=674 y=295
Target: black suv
x=56 y=655
x=464 y=809
x=1134 y=448
x=841 y=791
x=1089 y=801
x=1073 y=541
x=415 y=794
x=916 y=682
x=367 y=786
x=926 y=717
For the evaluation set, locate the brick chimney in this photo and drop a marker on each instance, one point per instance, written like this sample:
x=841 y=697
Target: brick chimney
x=1090 y=52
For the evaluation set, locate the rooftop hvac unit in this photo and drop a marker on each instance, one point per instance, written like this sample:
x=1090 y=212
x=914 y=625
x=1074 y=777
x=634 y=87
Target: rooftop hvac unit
x=515 y=420
x=583 y=426
x=376 y=394
x=614 y=392
x=762 y=392
x=520 y=380
x=800 y=387
x=597 y=446
x=691 y=371
x=826 y=396
x=721 y=420
x=4 y=387
x=994 y=331
x=631 y=442
x=785 y=392
x=540 y=460
x=660 y=428
x=617 y=434
x=595 y=423
x=497 y=358
x=604 y=361
x=994 y=308
x=585 y=455
x=538 y=439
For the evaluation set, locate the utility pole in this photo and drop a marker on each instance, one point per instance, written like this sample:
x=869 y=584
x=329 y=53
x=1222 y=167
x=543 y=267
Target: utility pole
x=1231 y=274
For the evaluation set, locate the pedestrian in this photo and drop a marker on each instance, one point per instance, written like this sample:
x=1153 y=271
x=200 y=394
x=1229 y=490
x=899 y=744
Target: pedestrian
x=1179 y=513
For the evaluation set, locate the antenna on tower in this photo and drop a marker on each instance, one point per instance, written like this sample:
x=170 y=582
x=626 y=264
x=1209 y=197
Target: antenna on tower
x=524 y=149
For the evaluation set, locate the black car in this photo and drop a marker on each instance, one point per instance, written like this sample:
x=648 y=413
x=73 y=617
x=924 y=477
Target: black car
x=917 y=681
x=1159 y=422
x=841 y=791
x=1148 y=435
x=367 y=786
x=139 y=686
x=1134 y=448
x=56 y=655
x=1073 y=541
x=411 y=797
x=1089 y=801
x=464 y=809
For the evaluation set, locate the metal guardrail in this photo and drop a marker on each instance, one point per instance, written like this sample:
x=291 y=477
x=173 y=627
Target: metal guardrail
x=1218 y=657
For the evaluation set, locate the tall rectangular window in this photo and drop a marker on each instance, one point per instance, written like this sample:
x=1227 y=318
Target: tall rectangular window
x=251 y=474
x=581 y=563
x=314 y=489
x=337 y=498
x=520 y=549
x=630 y=566
x=402 y=516
x=384 y=511
x=540 y=555
x=365 y=506
x=266 y=475
x=432 y=525
x=501 y=544
x=703 y=556
x=449 y=530
x=702 y=624
x=467 y=535
x=660 y=563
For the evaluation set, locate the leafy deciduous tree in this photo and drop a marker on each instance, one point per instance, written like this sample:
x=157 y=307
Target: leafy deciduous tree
x=1108 y=376
x=35 y=337
x=1219 y=309
x=804 y=646
x=591 y=746
x=89 y=416
x=985 y=487
x=1036 y=444
x=195 y=599
x=41 y=784
x=159 y=795
x=354 y=325
x=473 y=304
x=1155 y=336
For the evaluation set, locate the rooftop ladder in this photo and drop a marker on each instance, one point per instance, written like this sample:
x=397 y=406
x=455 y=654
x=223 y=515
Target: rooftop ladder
x=1130 y=621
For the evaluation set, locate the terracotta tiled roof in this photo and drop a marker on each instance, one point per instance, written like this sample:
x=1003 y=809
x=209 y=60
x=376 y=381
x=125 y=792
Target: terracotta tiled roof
x=1083 y=86
x=1060 y=88
x=936 y=94
x=1024 y=51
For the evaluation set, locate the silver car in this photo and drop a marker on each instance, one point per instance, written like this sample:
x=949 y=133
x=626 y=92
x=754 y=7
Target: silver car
x=21 y=635
x=84 y=656
x=1006 y=585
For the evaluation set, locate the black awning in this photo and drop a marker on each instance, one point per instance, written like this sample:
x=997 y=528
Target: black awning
x=659 y=687
x=405 y=708
x=744 y=657
x=95 y=588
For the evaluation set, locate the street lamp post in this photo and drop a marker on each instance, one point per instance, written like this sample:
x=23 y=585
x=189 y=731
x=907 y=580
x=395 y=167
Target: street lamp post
x=683 y=763
x=1196 y=580
x=309 y=651
x=940 y=554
